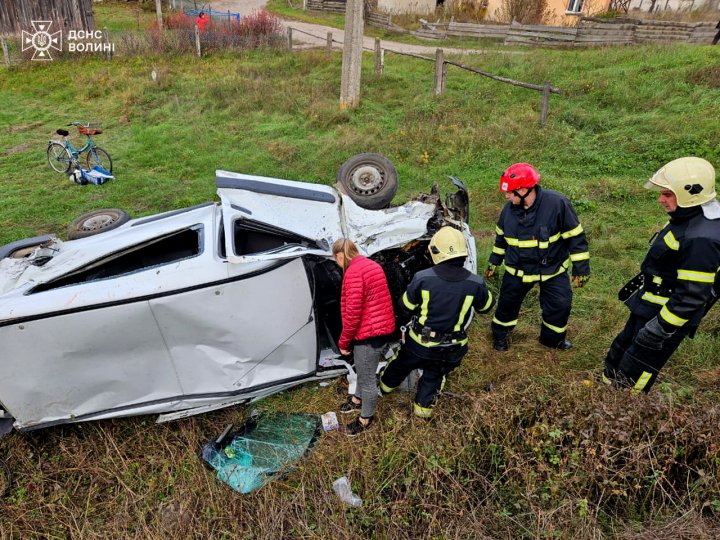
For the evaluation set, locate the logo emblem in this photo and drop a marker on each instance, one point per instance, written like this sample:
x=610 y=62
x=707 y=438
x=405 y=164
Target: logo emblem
x=41 y=40
x=693 y=189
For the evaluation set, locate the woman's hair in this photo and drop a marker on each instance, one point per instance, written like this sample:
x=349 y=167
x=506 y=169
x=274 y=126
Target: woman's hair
x=347 y=248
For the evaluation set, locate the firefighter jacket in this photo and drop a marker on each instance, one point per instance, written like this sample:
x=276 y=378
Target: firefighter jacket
x=365 y=303
x=540 y=242
x=680 y=271
x=443 y=298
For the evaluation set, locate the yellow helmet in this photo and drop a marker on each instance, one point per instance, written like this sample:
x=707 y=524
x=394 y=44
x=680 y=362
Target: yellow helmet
x=691 y=179
x=448 y=243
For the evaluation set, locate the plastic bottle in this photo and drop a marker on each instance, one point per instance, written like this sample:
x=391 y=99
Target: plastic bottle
x=341 y=486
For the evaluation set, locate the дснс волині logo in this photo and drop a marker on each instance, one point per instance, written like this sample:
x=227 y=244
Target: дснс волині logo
x=41 y=40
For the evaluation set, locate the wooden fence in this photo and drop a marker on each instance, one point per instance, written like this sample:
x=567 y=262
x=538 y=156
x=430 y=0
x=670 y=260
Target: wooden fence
x=441 y=69
x=589 y=31
x=17 y=15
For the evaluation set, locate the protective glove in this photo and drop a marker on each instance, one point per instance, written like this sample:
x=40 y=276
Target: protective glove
x=580 y=281
x=652 y=335
x=490 y=272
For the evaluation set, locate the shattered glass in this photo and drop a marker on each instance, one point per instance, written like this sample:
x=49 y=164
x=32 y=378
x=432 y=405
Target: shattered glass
x=263 y=448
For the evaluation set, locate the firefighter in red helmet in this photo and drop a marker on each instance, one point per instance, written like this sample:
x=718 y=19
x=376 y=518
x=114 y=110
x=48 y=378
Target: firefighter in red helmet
x=538 y=236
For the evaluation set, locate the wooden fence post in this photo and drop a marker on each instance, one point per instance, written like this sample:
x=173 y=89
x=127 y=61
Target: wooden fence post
x=197 y=40
x=289 y=38
x=378 y=57
x=544 y=104
x=106 y=43
x=329 y=45
x=6 y=54
x=440 y=72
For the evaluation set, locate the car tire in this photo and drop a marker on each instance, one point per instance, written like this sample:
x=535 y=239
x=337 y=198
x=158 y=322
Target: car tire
x=97 y=222
x=370 y=180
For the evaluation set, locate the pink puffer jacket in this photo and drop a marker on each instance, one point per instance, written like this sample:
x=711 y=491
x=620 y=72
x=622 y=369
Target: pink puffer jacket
x=366 y=305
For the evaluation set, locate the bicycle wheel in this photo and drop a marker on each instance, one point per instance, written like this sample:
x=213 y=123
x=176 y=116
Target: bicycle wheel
x=98 y=157
x=59 y=157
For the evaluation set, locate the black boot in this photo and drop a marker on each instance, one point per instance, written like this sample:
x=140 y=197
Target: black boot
x=500 y=344
x=562 y=345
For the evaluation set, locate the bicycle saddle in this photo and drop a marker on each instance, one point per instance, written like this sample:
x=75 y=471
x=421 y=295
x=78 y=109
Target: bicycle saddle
x=63 y=132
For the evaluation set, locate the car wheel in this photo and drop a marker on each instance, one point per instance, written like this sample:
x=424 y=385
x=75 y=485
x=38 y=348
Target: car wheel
x=97 y=222
x=369 y=179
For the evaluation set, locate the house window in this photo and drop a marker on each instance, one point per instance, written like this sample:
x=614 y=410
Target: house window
x=575 y=6
x=166 y=249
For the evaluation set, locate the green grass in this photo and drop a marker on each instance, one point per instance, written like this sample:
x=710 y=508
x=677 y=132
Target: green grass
x=122 y=16
x=547 y=453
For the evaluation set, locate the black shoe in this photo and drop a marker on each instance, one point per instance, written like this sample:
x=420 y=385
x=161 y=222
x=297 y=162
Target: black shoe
x=500 y=344
x=563 y=345
x=356 y=427
x=350 y=406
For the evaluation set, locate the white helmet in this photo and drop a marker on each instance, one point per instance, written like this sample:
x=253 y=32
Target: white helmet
x=691 y=179
x=447 y=243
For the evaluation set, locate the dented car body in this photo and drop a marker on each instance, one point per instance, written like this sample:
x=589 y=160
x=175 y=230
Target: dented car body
x=195 y=309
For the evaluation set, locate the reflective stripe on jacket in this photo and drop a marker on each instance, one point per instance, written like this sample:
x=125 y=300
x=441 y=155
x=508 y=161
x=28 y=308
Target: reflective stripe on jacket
x=543 y=240
x=365 y=303
x=681 y=268
x=443 y=298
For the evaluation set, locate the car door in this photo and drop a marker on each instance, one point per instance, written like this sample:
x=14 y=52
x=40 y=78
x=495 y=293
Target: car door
x=304 y=218
x=268 y=226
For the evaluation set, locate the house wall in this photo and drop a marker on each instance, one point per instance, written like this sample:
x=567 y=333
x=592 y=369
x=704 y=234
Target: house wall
x=673 y=5
x=557 y=10
x=419 y=7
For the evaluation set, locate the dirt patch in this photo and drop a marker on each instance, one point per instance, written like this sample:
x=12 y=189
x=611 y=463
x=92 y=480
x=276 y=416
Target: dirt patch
x=706 y=77
x=21 y=128
x=18 y=148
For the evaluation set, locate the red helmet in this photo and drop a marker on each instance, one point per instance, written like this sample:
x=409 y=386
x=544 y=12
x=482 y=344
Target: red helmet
x=520 y=175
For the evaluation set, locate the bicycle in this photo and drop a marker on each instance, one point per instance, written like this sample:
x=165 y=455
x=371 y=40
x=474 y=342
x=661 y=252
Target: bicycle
x=62 y=157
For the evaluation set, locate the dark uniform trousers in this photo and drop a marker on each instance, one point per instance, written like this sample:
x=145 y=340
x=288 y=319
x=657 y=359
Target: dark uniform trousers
x=555 y=303
x=629 y=364
x=679 y=285
x=443 y=298
x=436 y=366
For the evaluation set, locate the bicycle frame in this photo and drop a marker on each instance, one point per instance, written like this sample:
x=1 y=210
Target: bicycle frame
x=75 y=151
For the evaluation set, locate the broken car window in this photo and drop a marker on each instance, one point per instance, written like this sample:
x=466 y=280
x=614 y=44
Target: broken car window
x=156 y=252
x=251 y=237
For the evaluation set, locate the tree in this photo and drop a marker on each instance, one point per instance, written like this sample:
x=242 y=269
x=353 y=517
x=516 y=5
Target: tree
x=619 y=6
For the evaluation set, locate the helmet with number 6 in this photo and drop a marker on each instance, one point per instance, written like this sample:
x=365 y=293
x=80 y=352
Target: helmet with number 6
x=520 y=175
x=448 y=243
x=691 y=179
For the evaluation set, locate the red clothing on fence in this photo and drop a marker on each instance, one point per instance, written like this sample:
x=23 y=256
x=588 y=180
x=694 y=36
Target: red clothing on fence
x=366 y=305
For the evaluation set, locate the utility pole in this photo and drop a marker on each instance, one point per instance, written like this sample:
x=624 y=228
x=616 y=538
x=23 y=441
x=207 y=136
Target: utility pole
x=352 y=55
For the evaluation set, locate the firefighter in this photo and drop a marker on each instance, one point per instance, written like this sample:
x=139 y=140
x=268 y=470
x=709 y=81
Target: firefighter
x=678 y=280
x=440 y=301
x=538 y=236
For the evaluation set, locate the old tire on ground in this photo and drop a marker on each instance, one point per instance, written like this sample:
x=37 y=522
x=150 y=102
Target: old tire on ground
x=97 y=222
x=369 y=179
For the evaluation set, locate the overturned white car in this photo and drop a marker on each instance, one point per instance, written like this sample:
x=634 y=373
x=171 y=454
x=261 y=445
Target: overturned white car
x=194 y=309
